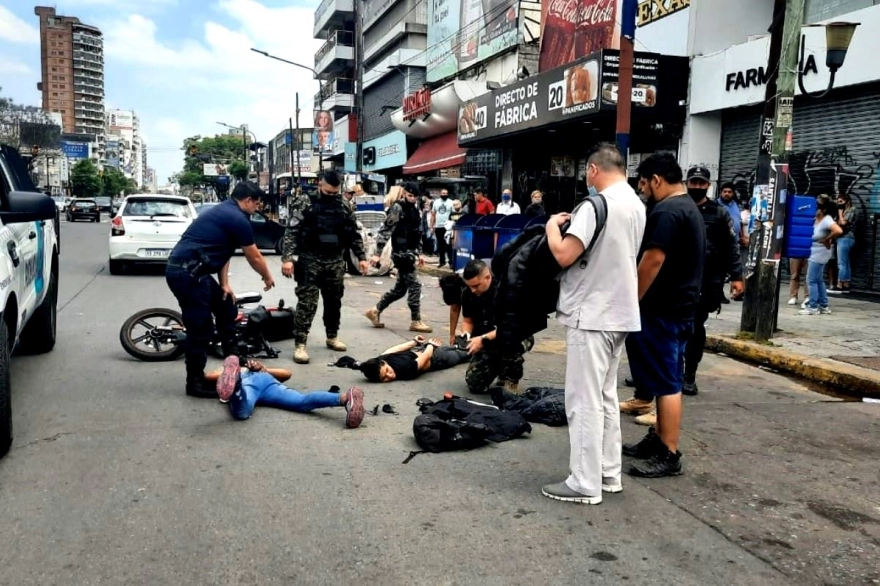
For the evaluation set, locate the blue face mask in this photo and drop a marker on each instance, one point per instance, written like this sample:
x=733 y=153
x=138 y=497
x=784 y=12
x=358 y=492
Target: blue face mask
x=505 y=197
x=592 y=190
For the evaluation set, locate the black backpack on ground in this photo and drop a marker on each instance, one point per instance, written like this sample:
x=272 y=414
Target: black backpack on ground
x=459 y=424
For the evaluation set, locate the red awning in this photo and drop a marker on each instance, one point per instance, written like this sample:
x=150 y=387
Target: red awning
x=436 y=153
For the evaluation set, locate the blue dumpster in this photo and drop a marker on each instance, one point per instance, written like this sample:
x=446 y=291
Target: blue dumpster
x=508 y=228
x=463 y=240
x=371 y=203
x=537 y=221
x=485 y=235
x=799 y=219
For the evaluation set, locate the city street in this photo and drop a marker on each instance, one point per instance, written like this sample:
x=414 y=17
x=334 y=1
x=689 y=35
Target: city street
x=117 y=477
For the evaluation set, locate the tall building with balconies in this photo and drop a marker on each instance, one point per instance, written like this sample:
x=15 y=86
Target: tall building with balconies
x=336 y=69
x=126 y=125
x=72 y=68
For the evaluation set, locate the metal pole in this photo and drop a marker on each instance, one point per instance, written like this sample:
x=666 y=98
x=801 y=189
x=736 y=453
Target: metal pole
x=625 y=75
x=771 y=176
x=359 y=56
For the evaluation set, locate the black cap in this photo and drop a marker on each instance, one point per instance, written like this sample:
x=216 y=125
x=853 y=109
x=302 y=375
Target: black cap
x=699 y=172
x=411 y=187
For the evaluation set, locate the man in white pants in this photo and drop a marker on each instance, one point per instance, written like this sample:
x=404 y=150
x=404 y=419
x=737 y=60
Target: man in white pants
x=599 y=305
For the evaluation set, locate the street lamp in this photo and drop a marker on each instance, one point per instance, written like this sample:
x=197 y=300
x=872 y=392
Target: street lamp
x=838 y=36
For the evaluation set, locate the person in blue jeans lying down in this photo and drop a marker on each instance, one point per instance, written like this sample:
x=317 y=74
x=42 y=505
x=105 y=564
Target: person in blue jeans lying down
x=246 y=387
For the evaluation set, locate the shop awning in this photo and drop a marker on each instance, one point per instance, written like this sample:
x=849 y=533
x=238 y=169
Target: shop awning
x=436 y=153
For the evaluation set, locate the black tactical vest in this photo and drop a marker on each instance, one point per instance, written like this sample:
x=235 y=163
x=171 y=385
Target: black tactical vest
x=324 y=226
x=717 y=243
x=408 y=231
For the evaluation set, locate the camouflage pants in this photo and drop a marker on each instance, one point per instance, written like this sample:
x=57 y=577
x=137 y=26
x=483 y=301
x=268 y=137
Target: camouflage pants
x=313 y=277
x=490 y=363
x=407 y=284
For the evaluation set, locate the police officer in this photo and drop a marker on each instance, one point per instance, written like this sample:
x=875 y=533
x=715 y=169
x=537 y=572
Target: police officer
x=722 y=259
x=204 y=250
x=320 y=229
x=403 y=225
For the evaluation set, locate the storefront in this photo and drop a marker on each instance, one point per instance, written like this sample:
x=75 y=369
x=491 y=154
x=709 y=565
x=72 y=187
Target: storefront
x=386 y=155
x=834 y=137
x=548 y=121
x=429 y=118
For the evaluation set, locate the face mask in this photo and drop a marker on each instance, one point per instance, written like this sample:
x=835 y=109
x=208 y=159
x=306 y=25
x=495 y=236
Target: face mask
x=698 y=194
x=444 y=196
x=505 y=197
x=537 y=202
x=591 y=189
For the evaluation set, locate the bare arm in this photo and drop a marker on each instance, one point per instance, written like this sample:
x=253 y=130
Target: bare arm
x=565 y=250
x=649 y=267
x=423 y=359
x=467 y=325
x=400 y=347
x=836 y=230
x=257 y=262
x=454 y=314
x=223 y=276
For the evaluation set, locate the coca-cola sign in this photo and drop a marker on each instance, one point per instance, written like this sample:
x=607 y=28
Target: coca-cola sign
x=576 y=28
x=579 y=89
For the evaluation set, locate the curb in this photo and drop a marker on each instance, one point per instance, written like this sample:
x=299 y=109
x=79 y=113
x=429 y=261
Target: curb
x=846 y=379
x=434 y=271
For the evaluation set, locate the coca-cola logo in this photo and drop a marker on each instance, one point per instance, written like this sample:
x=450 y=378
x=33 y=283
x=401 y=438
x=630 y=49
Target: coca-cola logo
x=565 y=9
x=596 y=12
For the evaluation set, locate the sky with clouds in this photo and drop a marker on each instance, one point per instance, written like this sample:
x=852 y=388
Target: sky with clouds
x=182 y=65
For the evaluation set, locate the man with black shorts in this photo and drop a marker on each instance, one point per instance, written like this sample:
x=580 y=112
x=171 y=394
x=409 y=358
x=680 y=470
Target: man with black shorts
x=670 y=275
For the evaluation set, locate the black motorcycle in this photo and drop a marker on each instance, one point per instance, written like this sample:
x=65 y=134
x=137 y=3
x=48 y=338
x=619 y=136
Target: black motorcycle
x=158 y=334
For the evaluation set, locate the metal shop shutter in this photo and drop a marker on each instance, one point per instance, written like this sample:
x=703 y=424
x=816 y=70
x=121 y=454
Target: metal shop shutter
x=836 y=150
x=387 y=92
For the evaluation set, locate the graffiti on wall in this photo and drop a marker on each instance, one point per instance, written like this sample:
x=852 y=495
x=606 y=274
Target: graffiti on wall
x=832 y=170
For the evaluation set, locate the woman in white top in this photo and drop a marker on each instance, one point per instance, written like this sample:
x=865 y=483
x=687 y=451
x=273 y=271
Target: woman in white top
x=825 y=230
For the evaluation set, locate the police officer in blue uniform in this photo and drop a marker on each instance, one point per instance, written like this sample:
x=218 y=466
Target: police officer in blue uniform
x=204 y=250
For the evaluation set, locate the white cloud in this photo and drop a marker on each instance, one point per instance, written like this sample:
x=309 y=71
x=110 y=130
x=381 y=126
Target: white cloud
x=189 y=84
x=15 y=30
x=12 y=67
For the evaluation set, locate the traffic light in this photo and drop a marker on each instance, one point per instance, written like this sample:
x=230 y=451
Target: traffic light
x=193 y=150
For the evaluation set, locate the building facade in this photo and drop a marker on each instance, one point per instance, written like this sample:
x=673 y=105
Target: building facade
x=834 y=137
x=72 y=74
x=124 y=127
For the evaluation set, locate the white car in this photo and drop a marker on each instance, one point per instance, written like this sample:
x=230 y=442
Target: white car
x=146 y=228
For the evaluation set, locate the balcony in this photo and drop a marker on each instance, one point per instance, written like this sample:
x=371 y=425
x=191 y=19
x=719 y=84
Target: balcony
x=89 y=89
x=332 y=14
x=336 y=55
x=337 y=94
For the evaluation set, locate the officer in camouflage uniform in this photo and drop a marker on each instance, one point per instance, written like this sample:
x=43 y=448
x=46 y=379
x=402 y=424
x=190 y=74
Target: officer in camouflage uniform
x=403 y=226
x=348 y=199
x=488 y=361
x=320 y=228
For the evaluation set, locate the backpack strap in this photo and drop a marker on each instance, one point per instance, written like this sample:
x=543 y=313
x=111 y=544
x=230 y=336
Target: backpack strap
x=600 y=209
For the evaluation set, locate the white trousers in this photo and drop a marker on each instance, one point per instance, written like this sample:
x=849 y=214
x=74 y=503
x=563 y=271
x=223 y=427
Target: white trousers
x=592 y=408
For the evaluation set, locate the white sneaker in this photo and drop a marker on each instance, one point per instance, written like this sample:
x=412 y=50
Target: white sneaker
x=806 y=303
x=808 y=311
x=792 y=301
x=825 y=310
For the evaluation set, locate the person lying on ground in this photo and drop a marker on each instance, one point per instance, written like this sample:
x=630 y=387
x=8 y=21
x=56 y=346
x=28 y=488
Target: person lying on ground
x=245 y=388
x=408 y=361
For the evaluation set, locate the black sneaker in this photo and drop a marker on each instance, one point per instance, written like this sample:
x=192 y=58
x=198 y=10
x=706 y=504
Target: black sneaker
x=629 y=382
x=690 y=388
x=647 y=447
x=661 y=464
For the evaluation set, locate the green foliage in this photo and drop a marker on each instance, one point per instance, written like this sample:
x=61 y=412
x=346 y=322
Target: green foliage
x=114 y=182
x=130 y=187
x=199 y=151
x=84 y=179
x=238 y=169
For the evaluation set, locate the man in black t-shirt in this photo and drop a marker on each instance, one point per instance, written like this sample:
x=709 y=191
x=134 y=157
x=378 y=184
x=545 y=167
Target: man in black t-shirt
x=409 y=360
x=478 y=325
x=670 y=276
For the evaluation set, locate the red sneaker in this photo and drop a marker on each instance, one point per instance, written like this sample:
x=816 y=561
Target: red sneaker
x=228 y=378
x=354 y=408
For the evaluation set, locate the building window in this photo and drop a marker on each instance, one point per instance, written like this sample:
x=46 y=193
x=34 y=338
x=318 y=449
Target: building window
x=819 y=10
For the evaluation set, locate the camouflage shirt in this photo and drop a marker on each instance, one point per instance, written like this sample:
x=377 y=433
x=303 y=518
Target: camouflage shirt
x=392 y=219
x=292 y=234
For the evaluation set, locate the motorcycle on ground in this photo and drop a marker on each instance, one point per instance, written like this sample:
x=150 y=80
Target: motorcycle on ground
x=157 y=334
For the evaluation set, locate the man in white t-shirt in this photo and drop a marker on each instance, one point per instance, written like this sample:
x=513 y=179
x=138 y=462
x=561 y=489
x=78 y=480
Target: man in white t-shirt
x=599 y=305
x=507 y=206
x=440 y=211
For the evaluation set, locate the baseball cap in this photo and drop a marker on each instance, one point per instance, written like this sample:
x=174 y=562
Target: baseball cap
x=699 y=172
x=411 y=187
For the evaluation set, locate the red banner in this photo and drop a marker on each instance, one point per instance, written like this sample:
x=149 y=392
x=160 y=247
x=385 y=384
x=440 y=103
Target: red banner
x=576 y=28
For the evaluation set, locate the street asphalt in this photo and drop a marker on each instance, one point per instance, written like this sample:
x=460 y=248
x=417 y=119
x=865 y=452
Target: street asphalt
x=116 y=477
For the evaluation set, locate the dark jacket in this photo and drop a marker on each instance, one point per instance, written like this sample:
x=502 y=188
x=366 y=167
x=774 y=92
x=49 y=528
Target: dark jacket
x=528 y=289
x=722 y=254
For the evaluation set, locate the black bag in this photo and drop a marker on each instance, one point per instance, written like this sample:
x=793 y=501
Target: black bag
x=458 y=424
x=273 y=325
x=537 y=404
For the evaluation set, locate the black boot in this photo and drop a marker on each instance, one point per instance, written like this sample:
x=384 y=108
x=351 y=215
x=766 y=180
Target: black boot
x=195 y=383
x=689 y=387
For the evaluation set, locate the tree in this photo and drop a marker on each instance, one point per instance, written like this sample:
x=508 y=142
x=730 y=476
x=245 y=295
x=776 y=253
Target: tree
x=130 y=187
x=113 y=181
x=84 y=179
x=238 y=169
x=223 y=149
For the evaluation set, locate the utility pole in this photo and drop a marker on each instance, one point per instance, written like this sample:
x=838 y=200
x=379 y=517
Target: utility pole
x=761 y=302
x=359 y=84
x=625 y=74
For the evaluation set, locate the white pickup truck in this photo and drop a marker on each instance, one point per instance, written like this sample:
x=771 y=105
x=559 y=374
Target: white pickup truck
x=29 y=249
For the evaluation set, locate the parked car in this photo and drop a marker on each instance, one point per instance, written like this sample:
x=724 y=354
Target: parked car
x=28 y=274
x=147 y=228
x=105 y=205
x=83 y=209
x=268 y=234
x=61 y=202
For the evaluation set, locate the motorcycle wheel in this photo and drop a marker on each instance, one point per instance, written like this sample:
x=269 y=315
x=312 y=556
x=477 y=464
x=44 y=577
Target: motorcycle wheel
x=143 y=346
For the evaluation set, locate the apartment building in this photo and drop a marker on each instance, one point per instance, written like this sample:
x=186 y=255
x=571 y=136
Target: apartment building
x=125 y=125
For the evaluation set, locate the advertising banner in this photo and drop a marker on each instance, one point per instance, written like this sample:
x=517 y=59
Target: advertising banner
x=75 y=150
x=323 y=134
x=462 y=33
x=574 y=29
x=579 y=89
x=210 y=169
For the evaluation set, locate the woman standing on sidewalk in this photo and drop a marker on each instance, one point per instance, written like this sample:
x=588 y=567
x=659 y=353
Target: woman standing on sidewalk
x=847 y=218
x=825 y=230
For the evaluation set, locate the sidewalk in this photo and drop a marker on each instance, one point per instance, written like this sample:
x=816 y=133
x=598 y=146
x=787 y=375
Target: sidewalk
x=841 y=350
